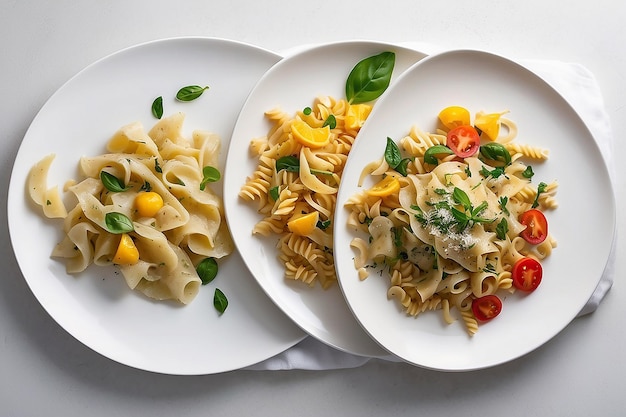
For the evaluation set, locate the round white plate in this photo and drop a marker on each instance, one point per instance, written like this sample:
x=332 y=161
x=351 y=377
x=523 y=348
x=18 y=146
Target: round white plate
x=97 y=307
x=583 y=224
x=293 y=84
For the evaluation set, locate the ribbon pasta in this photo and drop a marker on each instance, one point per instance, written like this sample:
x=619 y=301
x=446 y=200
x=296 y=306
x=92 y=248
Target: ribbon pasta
x=432 y=265
x=189 y=226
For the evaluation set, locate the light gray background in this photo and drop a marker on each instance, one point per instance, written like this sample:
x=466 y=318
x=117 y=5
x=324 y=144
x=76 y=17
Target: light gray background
x=44 y=371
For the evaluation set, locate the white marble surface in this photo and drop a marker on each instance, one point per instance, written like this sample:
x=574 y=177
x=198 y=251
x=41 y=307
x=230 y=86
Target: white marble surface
x=44 y=371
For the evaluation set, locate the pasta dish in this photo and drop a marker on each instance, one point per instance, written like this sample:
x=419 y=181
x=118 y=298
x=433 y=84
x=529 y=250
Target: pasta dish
x=455 y=217
x=145 y=206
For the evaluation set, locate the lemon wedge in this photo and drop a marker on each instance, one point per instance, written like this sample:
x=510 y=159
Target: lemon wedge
x=310 y=136
x=489 y=124
x=305 y=224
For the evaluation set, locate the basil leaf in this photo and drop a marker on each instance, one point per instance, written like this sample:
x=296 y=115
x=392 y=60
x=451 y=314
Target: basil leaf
x=429 y=155
x=401 y=168
x=323 y=224
x=460 y=197
x=330 y=121
x=528 y=172
x=392 y=153
x=210 y=174
x=502 y=229
x=289 y=163
x=207 y=270
x=370 y=78
x=274 y=193
x=220 y=302
x=190 y=92
x=118 y=223
x=307 y=111
x=112 y=183
x=496 y=152
x=157 y=107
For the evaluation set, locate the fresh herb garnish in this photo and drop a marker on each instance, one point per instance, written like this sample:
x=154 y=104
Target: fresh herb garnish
x=291 y=163
x=190 y=92
x=370 y=78
x=503 y=200
x=157 y=167
x=496 y=152
x=220 y=302
x=210 y=174
x=118 y=223
x=541 y=188
x=323 y=224
x=429 y=155
x=502 y=229
x=146 y=187
x=307 y=111
x=157 y=107
x=394 y=157
x=274 y=193
x=330 y=121
x=528 y=172
x=112 y=183
x=207 y=270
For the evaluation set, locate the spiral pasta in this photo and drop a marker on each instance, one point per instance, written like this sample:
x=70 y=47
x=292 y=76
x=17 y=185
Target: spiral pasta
x=296 y=180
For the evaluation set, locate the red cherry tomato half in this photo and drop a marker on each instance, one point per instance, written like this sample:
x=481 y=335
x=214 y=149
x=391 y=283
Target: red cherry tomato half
x=526 y=274
x=487 y=307
x=463 y=140
x=536 y=224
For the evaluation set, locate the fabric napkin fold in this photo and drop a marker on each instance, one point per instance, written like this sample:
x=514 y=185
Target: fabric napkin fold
x=580 y=88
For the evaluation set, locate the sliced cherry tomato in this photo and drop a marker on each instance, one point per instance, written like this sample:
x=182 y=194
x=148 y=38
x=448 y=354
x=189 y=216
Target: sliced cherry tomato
x=536 y=224
x=526 y=274
x=487 y=307
x=463 y=140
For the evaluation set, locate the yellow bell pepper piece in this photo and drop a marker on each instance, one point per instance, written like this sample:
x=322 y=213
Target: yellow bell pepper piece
x=489 y=124
x=385 y=187
x=127 y=253
x=310 y=136
x=148 y=203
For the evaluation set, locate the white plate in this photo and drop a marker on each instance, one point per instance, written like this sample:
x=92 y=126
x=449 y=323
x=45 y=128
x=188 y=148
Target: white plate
x=583 y=224
x=293 y=84
x=97 y=307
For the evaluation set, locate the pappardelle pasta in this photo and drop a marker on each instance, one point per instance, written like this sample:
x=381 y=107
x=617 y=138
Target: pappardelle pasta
x=145 y=206
x=300 y=162
x=455 y=217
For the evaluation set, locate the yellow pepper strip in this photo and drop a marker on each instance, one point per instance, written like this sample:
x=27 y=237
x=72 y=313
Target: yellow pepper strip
x=303 y=224
x=385 y=187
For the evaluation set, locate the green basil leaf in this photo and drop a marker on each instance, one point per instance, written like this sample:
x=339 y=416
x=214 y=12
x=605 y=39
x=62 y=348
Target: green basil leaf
x=392 y=153
x=502 y=229
x=496 y=152
x=207 y=270
x=157 y=107
x=401 y=168
x=370 y=78
x=429 y=155
x=323 y=224
x=220 y=302
x=274 y=193
x=307 y=111
x=190 y=92
x=210 y=174
x=528 y=172
x=289 y=163
x=460 y=197
x=112 y=183
x=118 y=223
x=330 y=121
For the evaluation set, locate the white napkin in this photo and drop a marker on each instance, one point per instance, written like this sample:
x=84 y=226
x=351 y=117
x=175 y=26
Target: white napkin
x=579 y=87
